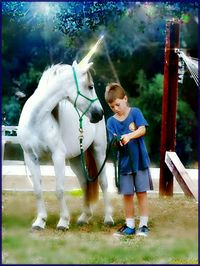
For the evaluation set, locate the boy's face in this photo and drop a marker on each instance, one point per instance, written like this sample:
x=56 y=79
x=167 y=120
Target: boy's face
x=119 y=106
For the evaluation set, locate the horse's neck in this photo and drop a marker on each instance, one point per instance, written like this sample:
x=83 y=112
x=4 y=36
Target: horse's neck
x=41 y=103
x=45 y=103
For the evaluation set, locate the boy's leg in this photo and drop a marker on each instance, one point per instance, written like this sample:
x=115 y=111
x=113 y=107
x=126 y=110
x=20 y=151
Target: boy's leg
x=129 y=210
x=128 y=206
x=143 y=208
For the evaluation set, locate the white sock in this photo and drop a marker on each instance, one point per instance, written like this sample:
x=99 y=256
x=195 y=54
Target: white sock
x=130 y=222
x=143 y=221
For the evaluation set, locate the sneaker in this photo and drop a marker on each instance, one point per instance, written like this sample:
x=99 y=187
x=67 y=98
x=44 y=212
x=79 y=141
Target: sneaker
x=142 y=231
x=125 y=231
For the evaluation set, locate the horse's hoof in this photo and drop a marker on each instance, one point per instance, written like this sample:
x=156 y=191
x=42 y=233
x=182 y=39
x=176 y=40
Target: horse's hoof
x=37 y=228
x=62 y=228
x=63 y=224
x=109 y=223
x=81 y=223
x=84 y=219
x=39 y=224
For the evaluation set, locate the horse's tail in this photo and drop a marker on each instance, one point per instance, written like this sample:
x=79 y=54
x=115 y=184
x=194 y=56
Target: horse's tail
x=92 y=191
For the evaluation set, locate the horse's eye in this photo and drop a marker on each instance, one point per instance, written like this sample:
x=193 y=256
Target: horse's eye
x=91 y=87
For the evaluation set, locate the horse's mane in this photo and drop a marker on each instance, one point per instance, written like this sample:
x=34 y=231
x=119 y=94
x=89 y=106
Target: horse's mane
x=52 y=72
x=49 y=74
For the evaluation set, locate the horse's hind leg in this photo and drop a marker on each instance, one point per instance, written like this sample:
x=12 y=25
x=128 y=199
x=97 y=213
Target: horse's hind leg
x=58 y=158
x=33 y=164
x=76 y=166
x=99 y=155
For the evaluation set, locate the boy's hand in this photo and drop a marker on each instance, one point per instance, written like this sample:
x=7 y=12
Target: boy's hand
x=141 y=131
x=125 y=139
x=118 y=140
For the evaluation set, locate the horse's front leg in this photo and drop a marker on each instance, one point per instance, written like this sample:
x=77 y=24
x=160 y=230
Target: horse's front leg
x=99 y=154
x=58 y=158
x=33 y=164
x=75 y=164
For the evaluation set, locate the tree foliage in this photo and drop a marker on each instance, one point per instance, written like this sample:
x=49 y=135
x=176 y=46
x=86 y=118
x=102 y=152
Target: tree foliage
x=11 y=111
x=36 y=35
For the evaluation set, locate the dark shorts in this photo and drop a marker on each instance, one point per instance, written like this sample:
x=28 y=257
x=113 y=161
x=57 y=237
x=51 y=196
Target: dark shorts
x=137 y=182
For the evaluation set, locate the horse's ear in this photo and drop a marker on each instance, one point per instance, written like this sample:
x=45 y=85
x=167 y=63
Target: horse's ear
x=87 y=67
x=74 y=63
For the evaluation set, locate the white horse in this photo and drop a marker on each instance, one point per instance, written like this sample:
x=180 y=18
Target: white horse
x=39 y=130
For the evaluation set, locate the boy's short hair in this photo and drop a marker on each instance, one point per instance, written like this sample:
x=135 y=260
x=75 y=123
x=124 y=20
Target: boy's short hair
x=114 y=91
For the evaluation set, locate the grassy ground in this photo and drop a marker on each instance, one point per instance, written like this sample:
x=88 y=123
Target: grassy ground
x=173 y=237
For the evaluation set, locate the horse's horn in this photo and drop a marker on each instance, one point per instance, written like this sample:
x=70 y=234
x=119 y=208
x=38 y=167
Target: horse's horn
x=86 y=59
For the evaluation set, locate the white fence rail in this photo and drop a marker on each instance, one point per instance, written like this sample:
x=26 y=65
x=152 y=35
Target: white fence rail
x=14 y=172
x=8 y=138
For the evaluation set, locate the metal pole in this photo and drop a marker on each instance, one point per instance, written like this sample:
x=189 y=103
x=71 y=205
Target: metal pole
x=169 y=105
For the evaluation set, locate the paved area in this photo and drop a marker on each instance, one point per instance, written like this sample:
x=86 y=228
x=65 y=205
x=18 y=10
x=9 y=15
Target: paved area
x=15 y=177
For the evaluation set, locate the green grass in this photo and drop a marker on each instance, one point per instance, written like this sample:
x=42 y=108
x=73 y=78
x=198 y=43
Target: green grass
x=172 y=240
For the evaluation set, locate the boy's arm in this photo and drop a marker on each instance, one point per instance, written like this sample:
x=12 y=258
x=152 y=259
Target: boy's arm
x=113 y=136
x=141 y=131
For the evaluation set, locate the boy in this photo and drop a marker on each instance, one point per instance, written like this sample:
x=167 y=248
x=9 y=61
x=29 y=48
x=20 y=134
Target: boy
x=134 y=174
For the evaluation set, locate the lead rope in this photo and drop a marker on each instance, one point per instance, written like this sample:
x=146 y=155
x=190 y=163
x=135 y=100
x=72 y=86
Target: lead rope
x=92 y=179
x=88 y=177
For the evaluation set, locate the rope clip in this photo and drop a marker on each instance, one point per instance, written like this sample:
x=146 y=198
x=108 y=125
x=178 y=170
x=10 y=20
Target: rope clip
x=81 y=133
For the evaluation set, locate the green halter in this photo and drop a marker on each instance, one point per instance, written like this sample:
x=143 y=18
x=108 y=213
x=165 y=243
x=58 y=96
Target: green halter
x=80 y=94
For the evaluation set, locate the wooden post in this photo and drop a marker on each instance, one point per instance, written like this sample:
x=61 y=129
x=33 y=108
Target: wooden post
x=169 y=105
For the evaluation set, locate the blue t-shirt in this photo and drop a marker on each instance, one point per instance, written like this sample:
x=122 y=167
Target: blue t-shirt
x=138 y=159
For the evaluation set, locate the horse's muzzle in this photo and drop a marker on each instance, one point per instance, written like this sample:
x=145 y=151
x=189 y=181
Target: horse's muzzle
x=96 y=115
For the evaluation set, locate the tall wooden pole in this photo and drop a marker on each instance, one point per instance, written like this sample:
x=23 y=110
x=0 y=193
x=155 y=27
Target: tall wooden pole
x=169 y=105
